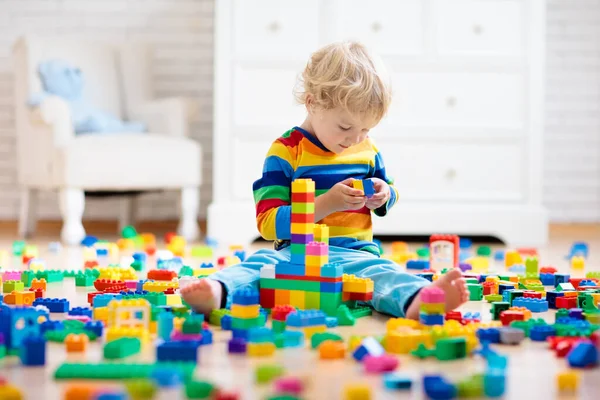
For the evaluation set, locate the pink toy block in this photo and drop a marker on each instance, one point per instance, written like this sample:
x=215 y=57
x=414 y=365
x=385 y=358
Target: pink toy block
x=432 y=295
x=131 y=284
x=317 y=249
x=11 y=276
x=290 y=385
x=185 y=336
x=382 y=363
x=82 y=318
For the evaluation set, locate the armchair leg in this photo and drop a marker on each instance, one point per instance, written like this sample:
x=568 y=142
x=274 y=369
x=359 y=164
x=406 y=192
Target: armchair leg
x=128 y=214
x=28 y=212
x=188 y=223
x=72 y=204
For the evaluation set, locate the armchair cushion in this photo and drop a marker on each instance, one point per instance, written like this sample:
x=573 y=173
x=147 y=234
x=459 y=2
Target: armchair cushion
x=128 y=161
x=61 y=79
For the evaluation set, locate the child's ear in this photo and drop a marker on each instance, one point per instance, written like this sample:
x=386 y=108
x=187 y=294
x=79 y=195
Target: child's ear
x=309 y=103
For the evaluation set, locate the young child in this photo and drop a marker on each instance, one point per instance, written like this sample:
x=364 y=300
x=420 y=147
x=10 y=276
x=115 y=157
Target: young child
x=346 y=94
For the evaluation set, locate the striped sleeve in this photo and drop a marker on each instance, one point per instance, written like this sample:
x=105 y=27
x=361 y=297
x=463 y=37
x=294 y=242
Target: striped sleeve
x=381 y=173
x=272 y=194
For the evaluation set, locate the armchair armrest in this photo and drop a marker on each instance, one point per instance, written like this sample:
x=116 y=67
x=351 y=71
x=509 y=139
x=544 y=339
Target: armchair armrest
x=170 y=116
x=54 y=112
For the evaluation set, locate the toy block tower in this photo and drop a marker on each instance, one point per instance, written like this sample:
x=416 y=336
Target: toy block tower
x=303 y=219
x=531 y=268
x=245 y=312
x=432 y=306
x=443 y=252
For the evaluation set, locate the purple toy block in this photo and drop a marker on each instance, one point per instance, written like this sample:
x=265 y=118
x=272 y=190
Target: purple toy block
x=237 y=345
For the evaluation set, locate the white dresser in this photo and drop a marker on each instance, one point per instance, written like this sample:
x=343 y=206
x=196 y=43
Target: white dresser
x=463 y=139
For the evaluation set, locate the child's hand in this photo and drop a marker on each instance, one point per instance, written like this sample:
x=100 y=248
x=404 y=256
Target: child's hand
x=342 y=196
x=381 y=196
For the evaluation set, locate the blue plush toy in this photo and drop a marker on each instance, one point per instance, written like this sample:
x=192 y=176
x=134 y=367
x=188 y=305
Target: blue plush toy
x=66 y=81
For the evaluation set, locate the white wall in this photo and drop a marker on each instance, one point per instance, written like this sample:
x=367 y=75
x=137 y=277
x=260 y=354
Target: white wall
x=182 y=33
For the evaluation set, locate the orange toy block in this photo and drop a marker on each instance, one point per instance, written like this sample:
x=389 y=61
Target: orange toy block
x=313 y=271
x=38 y=284
x=80 y=391
x=331 y=350
x=76 y=342
x=282 y=296
x=19 y=298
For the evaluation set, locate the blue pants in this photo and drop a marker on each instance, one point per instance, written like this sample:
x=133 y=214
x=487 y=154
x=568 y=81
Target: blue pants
x=394 y=289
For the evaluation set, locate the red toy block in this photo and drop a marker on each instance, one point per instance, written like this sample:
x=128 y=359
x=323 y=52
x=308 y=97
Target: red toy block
x=267 y=298
x=360 y=296
x=303 y=197
x=115 y=289
x=527 y=251
x=27 y=258
x=223 y=395
x=453 y=316
x=508 y=316
x=91 y=295
x=575 y=282
x=221 y=261
x=548 y=270
x=280 y=312
x=103 y=284
x=451 y=239
x=488 y=288
x=169 y=236
x=566 y=302
x=169 y=291
x=151 y=250
x=302 y=218
x=161 y=274
x=38 y=292
x=90 y=264
x=532 y=294
x=309 y=278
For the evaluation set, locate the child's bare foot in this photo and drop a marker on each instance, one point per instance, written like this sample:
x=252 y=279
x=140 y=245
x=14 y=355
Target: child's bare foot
x=203 y=296
x=455 y=290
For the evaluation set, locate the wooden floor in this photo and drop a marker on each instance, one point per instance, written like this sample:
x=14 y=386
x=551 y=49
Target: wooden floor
x=532 y=367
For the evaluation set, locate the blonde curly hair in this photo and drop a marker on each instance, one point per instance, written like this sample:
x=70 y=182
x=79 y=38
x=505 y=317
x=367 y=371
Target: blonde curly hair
x=346 y=75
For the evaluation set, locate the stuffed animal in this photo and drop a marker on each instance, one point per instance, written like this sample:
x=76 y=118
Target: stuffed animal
x=66 y=81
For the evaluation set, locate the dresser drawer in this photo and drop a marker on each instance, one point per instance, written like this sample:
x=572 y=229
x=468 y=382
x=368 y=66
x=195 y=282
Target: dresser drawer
x=490 y=27
x=455 y=172
x=389 y=27
x=264 y=96
x=275 y=28
x=458 y=99
x=247 y=160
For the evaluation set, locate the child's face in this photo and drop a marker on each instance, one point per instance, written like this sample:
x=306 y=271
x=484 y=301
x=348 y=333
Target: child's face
x=338 y=130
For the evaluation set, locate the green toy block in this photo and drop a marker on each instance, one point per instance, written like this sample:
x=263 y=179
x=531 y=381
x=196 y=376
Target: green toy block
x=122 y=348
x=282 y=397
x=10 y=285
x=137 y=265
x=303 y=208
x=192 y=325
x=451 y=348
x=423 y=253
x=360 y=312
x=70 y=273
x=128 y=232
x=50 y=275
x=84 y=280
x=2 y=351
x=216 y=315
x=475 y=291
x=319 y=338
x=296 y=248
x=278 y=326
x=531 y=267
x=288 y=284
x=470 y=387
x=157 y=299
x=330 y=303
x=344 y=316
x=60 y=335
x=202 y=251
x=140 y=388
x=266 y=373
x=199 y=390
x=491 y=298
x=498 y=307
x=241 y=323
x=593 y=274
x=513 y=294
x=18 y=247
x=312 y=300
x=484 y=251
x=422 y=352
x=119 y=371
x=27 y=277
x=473 y=281
x=186 y=270
x=565 y=287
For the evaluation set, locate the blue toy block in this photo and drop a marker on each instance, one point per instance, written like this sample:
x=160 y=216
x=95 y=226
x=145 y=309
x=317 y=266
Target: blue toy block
x=547 y=279
x=33 y=351
x=291 y=338
x=178 y=351
x=15 y=333
x=431 y=319
x=393 y=380
x=166 y=377
x=331 y=322
x=49 y=325
x=207 y=265
x=494 y=383
x=85 y=311
x=587 y=282
x=139 y=286
x=417 y=264
x=491 y=335
x=368 y=188
x=539 y=333
x=583 y=355
x=260 y=335
x=111 y=396
x=245 y=297
x=241 y=254
x=551 y=296
x=331 y=287
x=226 y=321
x=101 y=251
x=465 y=243
x=471 y=315
x=437 y=388
x=165 y=325
x=96 y=327
x=89 y=241
x=561 y=278
x=207 y=337
x=369 y=346
x=580 y=249
x=499 y=255
x=483 y=277
x=1 y=298
x=502 y=287
x=102 y=300
x=140 y=256
x=533 y=305
x=240 y=334
x=285 y=268
x=171 y=264
x=304 y=318
x=331 y=270
x=426 y=275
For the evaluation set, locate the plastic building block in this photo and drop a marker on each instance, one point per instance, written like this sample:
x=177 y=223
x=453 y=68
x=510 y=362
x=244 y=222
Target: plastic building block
x=497 y=308
x=540 y=333
x=437 y=387
x=475 y=292
x=76 y=342
x=381 y=363
x=547 y=279
x=567 y=381
x=33 y=351
x=583 y=355
x=431 y=319
x=566 y=302
x=95 y=327
x=54 y=305
x=12 y=286
x=491 y=335
x=199 y=390
x=260 y=349
x=236 y=346
x=267 y=373
x=332 y=349
x=426 y=275
x=81 y=311
x=178 y=351
x=511 y=336
x=396 y=381
x=122 y=348
x=245 y=297
x=417 y=264
x=369 y=346
x=357 y=391
x=305 y=318
x=289 y=385
x=432 y=295
x=494 y=383
x=534 y=305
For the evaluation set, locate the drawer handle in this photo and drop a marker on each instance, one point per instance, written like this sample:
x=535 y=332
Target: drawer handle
x=274 y=26
x=477 y=29
x=451 y=102
x=376 y=27
x=451 y=174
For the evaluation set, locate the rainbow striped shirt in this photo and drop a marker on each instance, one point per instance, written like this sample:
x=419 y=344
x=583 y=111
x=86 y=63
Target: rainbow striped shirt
x=298 y=154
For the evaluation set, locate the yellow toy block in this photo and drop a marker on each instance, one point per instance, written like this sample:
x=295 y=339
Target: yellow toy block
x=403 y=342
x=352 y=284
x=394 y=324
x=124 y=313
x=592 y=318
x=321 y=233
x=204 y=271
x=479 y=263
x=567 y=381
x=282 y=297
x=433 y=308
x=316 y=261
x=577 y=262
x=313 y=271
x=241 y=311
x=19 y=298
x=596 y=297
x=10 y=392
x=512 y=258
x=357 y=184
x=114 y=333
x=357 y=391
x=301 y=228
x=525 y=311
x=178 y=323
x=297 y=299
x=174 y=300
x=125 y=244
x=160 y=286
x=303 y=186
x=128 y=274
x=101 y=314
x=309 y=331
x=399 y=247
x=260 y=349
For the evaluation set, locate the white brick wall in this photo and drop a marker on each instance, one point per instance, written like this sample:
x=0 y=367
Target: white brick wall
x=181 y=30
x=572 y=134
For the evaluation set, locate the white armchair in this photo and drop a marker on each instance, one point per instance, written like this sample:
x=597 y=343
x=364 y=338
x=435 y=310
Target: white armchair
x=51 y=157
